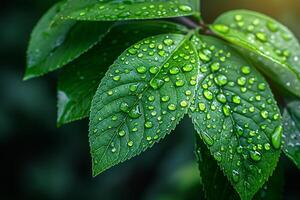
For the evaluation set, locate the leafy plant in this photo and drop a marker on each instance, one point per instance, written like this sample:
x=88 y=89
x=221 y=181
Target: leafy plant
x=137 y=78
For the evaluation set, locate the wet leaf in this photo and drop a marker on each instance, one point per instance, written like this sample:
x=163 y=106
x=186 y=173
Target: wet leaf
x=54 y=43
x=236 y=116
x=79 y=80
x=142 y=97
x=109 y=10
x=270 y=44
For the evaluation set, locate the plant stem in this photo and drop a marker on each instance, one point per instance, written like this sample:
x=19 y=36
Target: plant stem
x=187 y=22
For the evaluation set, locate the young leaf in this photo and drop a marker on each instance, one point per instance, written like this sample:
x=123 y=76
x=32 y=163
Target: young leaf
x=236 y=115
x=95 y=10
x=79 y=80
x=269 y=43
x=291 y=124
x=142 y=97
x=216 y=185
x=55 y=43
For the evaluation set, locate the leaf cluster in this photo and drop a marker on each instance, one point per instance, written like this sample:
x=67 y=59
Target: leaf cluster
x=135 y=71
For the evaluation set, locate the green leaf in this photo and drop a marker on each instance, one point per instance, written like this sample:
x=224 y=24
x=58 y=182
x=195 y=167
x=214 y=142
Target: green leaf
x=216 y=185
x=55 y=43
x=291 y=124
x=273 y=47
x=110 y=10
x=142 y=97
x=79 y=80
x=236 y=115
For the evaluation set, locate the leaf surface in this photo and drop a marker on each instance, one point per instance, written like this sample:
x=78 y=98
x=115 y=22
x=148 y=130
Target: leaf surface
x=112 y=10
x=79 y=80
x=54 y=43
x=291 y=124
x=236 y=116
x=142 y=97
x=270 y=44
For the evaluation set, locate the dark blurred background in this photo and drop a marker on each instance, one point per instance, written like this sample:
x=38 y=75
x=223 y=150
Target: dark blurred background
x=40 y=161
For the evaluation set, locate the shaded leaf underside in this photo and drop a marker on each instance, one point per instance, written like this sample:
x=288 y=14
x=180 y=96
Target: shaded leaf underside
x=291 y=124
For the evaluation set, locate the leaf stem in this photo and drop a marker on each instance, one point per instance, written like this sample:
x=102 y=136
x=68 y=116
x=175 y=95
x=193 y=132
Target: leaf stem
x=188 y=22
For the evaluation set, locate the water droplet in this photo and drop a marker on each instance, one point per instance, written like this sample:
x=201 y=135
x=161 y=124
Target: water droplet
x=132 y=51
x=124 y=107
x=141 y=70
x=117 y=78
x=172 y=107
x=208 y=94
x=264 y=114
x=272 y=26
x=203 y=57
x=276 y=137
x=184 y=104
x=236 y=99
x=262 y=86
x=255 y=155
x=135 y=112
x=218 y=156
x=179 y=83
x=235 y=175
x=221 y=28
x=148 y=124
x=154 y=70
x=238 y=18
x=174 y=70
x=165 y=98
x=226 y=110
x=110 y=92
x=267 y=146
x=156 y=83
x=215 y=67
x=221 y=98
x=122 y=133
x=201 y=106
x=207 y=139
x=246 y=70
x=221 y=80
x=130 y=143
x=261 y=36
x=187 y=68
x=168 y=42
x=241 y=81
x=185 y=8
x=133 y=88
x=113 y=150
